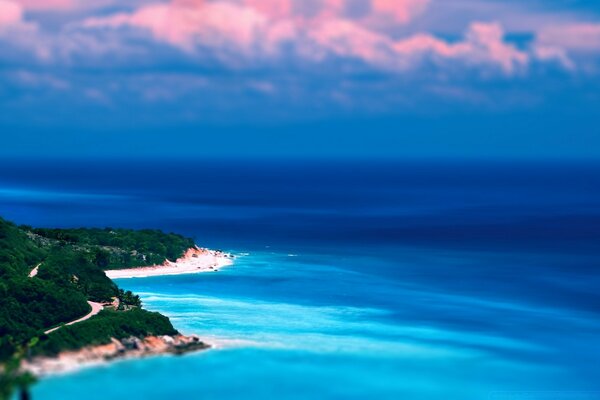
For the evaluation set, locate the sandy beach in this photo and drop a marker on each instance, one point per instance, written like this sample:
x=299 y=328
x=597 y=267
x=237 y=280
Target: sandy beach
x=195 y=260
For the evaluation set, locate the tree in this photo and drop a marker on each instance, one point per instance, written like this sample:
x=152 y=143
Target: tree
x=102 y=258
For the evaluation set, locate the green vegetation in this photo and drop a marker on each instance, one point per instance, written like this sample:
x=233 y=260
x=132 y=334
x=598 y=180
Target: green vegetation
x=16 y=251
x=71 y=272
x=106 y=325
x=128 y=300
x=76 y=269
x=29 y=305
x=119 y=248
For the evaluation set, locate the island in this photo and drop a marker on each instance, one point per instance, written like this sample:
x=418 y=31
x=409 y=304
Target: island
x=60 y=309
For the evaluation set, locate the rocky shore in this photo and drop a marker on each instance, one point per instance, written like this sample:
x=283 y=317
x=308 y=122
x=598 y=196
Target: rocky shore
x=118 y=349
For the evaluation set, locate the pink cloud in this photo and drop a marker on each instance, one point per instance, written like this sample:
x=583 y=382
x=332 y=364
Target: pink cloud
x=347 y=39
x=483 y=45
x=264 y=28
x=332 y=8
x=579 y=37
x=18 y=33
x=11 y=13
x=400 y=10
x=554 y=54
x=272 y=8
x=39 y=5
x=192 y=24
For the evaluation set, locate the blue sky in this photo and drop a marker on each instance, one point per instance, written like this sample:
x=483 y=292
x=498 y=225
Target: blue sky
x=322 y=78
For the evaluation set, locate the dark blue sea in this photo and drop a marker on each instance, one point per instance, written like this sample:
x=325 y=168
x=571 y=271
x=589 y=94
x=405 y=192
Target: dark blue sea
x=354 y=280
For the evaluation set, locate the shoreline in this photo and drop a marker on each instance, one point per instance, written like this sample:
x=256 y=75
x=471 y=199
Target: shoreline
x=117 y=350
x=195 y=260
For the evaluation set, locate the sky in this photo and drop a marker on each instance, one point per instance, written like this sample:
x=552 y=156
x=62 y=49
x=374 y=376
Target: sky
x=300 y=78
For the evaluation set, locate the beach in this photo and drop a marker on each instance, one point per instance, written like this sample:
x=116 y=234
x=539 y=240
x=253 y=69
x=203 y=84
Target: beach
x=195 y=260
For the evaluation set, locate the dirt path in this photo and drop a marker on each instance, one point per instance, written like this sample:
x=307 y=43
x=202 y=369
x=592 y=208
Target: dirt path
x=96 y=308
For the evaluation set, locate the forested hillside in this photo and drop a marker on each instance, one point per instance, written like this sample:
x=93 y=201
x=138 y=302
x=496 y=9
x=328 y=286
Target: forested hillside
x=70 y=272
x=118 y=248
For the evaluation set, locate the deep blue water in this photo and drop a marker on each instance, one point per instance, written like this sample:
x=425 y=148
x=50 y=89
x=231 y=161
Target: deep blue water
x=358 y=280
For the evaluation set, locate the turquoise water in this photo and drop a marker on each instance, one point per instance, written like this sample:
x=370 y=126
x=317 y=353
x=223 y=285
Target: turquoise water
x=288 y=326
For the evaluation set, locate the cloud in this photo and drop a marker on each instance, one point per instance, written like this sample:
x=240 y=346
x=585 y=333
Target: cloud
x=347 y=39
x=200 y=27
x=295 y=46
x=204 y=60
x=24 y=41
x=11 y=14
x=272 y=8
x=45 y=5
x=576 y=37
x=18 y=35
x=483 y=44
x=193 y=25
x=554 y=54
x=402 y=11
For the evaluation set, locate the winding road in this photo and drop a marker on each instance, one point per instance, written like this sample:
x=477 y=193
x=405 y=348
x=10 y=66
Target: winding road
x=96 y=308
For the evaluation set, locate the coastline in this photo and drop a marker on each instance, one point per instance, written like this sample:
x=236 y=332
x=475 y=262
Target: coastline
x=126 y=349
x=195 y=260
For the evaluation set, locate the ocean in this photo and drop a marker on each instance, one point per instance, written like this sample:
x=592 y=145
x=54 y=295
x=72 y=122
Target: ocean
x=354 y=279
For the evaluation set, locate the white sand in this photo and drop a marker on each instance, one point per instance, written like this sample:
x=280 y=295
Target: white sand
x=194 y=261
